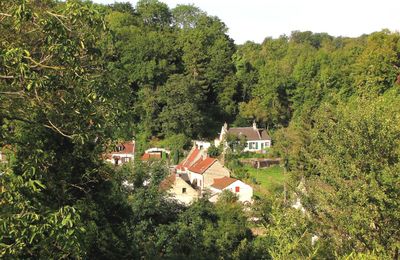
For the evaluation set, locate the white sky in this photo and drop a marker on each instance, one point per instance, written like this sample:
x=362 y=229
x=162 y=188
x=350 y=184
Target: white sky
x=256 y=19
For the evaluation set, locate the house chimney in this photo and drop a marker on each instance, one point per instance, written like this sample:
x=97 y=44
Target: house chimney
x=254 y=125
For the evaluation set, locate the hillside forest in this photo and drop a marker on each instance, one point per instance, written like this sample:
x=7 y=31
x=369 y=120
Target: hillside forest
x=77 y=77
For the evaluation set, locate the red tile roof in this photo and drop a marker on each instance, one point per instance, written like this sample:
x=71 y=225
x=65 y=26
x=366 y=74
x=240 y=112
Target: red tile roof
x=189 y=160
x=180 y=167
x=223 y=182
x=148 y=156
x=127 y=147
x=202 y=165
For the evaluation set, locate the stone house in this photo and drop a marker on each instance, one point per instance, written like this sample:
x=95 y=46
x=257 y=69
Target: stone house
x=179 y=189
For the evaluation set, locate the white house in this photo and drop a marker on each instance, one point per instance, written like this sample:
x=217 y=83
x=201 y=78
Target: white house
x=241 y=189
x=257 y=139
x=123 y=153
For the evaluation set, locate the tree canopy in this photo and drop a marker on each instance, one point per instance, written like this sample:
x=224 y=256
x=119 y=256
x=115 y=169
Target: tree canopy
x=75 y=77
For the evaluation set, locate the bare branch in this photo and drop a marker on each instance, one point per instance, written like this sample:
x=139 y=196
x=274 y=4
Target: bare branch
x=6 y=77
x=12 y=93
x=4 y=14
x=78 y=187
x=57 y=16
x=38 y=64
x=53 y=127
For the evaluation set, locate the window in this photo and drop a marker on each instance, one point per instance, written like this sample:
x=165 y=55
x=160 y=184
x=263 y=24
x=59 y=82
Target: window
x=262 y=146
x=237 y=189
x=256 y=145
x=183 y=190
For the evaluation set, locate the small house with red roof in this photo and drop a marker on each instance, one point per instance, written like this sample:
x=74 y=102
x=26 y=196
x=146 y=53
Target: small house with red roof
x=205 y=170
x=182 y=168
x=155 y=154
x=123 y=153
x=243 y=191
x=201 y=172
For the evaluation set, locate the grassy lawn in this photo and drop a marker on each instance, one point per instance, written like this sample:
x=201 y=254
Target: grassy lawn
x=269 y=179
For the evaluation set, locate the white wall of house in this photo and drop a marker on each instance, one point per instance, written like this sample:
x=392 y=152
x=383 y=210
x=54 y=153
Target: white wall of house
x=198 y=178
x=202 y=144
x=257 y=145
x=244 y=191
x=241 y=189
x=123 y=158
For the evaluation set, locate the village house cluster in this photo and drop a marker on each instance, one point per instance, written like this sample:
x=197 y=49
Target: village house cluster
x=198 y=175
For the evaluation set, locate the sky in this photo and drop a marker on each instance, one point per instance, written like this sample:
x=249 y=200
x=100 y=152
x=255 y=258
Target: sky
x=256 y=19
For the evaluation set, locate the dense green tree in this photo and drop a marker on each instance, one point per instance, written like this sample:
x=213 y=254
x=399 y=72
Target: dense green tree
x=179 y=101
x=56 y=114
x=352 y=186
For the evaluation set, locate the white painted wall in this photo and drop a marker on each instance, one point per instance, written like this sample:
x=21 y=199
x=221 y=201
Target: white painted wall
x=245 y=193
x=195 y=176
x=127 y=156
x=260 y=144
x=202 y=144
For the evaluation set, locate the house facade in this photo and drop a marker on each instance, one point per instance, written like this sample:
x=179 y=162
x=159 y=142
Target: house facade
x=204 y=171
x=257 y=139
x=123 y=153
x=243 y=191
x=203 y=174
x=179 y=189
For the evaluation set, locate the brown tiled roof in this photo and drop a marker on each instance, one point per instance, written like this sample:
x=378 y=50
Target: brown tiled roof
x=250 y=133
x=168 y=182
x=264 y=135
x=148 y=156
x=223 y=182
x=202 y=165
x=127 y=147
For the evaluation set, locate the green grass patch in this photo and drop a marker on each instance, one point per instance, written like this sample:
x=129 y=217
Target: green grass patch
x=269 y=179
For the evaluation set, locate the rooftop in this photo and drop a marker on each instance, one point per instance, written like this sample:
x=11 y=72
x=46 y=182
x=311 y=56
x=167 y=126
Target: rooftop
x=223 y=182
